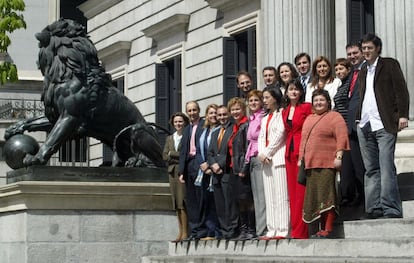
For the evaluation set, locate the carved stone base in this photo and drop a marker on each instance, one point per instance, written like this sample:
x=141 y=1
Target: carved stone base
x=88 y=174
x=84 y=221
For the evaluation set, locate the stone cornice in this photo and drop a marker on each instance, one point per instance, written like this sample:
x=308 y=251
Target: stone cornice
x=28 y=195
x=120 y=48
x=224 y=5
x=93 y=7
x=167 y=26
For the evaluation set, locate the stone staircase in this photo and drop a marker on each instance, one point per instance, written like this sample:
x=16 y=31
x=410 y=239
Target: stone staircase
x=380 y=240
x=362 y=241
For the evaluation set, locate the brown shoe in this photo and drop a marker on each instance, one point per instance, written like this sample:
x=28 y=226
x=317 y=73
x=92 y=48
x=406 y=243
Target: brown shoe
x=207 y=238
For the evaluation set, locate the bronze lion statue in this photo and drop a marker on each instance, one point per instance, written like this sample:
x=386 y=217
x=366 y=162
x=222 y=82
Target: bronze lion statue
x=80 y=100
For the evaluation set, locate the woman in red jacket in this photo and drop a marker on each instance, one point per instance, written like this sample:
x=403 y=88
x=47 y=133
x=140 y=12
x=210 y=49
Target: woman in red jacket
x=294 y=115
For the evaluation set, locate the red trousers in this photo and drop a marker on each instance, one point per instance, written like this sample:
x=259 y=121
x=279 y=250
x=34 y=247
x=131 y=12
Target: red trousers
x=296 y=193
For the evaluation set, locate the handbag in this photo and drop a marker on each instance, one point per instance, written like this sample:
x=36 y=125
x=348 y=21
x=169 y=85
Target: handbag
x=302 y=172
x=302 y=169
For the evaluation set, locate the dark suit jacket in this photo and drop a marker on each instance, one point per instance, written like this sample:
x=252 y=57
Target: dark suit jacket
x=216 y=154
x=240 y=144
x=185 y=146
x=390 y=90
x=353 y=103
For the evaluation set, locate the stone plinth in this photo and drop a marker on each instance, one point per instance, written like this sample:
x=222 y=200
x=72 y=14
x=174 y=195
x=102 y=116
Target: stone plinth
x=79 y=221
x=88 y=174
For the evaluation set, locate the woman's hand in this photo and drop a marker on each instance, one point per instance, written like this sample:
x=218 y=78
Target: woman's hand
x=263 y=159
x=181 y=179
x=337 y=163
x=242 y=175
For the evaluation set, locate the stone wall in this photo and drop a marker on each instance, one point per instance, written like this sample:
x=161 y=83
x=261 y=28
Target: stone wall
x=63 y=236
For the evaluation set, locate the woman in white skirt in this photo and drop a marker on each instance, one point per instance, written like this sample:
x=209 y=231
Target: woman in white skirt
x=271 y=147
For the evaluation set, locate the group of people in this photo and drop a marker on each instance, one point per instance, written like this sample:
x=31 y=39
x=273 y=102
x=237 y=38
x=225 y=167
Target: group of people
x=234 y=173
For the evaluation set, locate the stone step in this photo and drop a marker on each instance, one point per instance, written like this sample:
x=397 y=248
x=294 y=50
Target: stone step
x=408 y=209
x=378 y=228
x=390 y=247
x=264 y=259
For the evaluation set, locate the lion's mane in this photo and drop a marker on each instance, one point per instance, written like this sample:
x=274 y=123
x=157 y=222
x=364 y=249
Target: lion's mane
x=67 y=55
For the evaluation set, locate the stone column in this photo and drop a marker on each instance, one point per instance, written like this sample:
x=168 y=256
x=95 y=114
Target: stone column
x=293 y=26
x=394 y=20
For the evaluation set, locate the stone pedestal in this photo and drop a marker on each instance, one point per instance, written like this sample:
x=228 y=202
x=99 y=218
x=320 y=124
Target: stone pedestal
x=80 y=221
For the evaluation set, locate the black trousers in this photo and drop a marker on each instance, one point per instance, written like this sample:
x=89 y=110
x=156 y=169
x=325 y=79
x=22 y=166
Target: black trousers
x=352 y=171
x=226 y=196
x=195 y=196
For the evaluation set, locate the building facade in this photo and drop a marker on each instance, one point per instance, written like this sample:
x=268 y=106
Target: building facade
x=163 y=53
x=169 y=52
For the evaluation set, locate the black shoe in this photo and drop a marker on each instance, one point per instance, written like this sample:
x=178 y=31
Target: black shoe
x=373 y=215
x=242 y=236
x=191 y=238
x=249 y=236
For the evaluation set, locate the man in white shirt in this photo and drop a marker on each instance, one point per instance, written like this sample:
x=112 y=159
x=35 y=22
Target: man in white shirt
x=383 y=111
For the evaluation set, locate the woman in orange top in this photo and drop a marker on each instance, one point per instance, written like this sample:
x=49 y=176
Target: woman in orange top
x=293 y=117
x=324 y=139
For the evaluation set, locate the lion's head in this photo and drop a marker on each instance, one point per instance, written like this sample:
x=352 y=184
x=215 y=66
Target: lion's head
x=66 y=53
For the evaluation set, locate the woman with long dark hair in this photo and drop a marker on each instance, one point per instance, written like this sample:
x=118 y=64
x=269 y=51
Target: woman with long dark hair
x=294 y=115
x=271 y=148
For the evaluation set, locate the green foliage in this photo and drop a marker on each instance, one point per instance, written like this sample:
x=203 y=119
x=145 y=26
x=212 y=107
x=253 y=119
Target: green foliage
x=9 y=21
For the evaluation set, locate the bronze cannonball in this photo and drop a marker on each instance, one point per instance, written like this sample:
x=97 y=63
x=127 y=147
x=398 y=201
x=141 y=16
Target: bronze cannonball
x=16 y=148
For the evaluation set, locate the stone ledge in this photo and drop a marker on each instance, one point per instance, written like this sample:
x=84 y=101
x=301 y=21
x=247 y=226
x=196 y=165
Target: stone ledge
x=383 y=248
x=84 y=195
x=171 y=25
x=94 y=7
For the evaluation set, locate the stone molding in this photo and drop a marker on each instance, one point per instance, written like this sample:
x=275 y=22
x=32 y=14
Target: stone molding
x=92 y=8
x=170 y=25
x=224 y=5
x=28 y=195
x=117 y=49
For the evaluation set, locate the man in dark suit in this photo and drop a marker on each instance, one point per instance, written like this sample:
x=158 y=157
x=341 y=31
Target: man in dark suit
x=383 y=111
x=352 y=171
x=303 y=64
x=189 y=165
x=225 y=183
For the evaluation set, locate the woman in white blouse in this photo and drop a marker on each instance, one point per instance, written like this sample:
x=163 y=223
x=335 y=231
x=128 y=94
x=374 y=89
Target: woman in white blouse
x=322 y=78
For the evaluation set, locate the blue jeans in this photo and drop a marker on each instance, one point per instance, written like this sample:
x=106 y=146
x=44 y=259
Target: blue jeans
x=380 y=181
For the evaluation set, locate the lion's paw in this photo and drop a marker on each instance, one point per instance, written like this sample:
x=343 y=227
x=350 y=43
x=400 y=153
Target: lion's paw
x=33 y=160
x=17 y=128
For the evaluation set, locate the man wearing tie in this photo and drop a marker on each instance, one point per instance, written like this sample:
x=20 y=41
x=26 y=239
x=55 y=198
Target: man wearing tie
x=225 y=184
x=190 y=161
x=352 y=173
x=303 y=64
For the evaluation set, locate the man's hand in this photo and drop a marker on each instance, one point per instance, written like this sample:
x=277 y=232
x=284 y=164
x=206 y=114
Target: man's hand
x=215 y=167
x=402 y=123
x=204 y=166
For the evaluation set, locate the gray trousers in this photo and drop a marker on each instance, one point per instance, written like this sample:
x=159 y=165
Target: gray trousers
x=256 y=177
